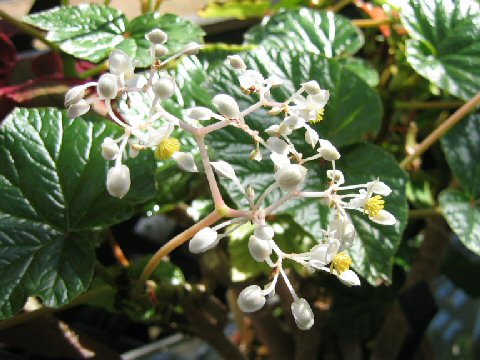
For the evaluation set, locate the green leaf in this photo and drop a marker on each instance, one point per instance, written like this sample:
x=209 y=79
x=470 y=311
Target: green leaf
x=463 y=216
x=462 y=267
x=87 y=32
x=353 y=111
x=91 y=31
x=238 y=9
x=52 y=180
x=445 y=44
x=461 y=146
x=362 y=69
x=318 y=32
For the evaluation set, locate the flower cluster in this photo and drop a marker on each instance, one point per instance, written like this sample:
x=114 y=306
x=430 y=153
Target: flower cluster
x=289 y=166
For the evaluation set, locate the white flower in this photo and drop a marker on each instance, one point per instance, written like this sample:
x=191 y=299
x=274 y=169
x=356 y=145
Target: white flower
x=311 y=136
x=118 y=181
x=204 y=240
x=322 y=254
x=348 y=277
x=227 y=106
x=110 y=149
x=120 y=63
x=185 y=161
x=160 y=50
x=290 y=176
x=251 y=81
x=293 y=122
x=343 y=230
x=303 y=314
x=328 y=151
x=74 y=95
x=236 y=62
x=259 y=248
x=309 y=107
x=312 y=87
x=251 y=299
x=192 y=48
x=278 y=146
x=339 y=178
x=77 y=109
x=280 y=160
x=278 y=130
x=157 y=36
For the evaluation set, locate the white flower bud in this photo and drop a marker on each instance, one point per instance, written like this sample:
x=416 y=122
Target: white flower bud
x=278 y=146
x=157 y=36
x=132 y=152
x=251 y=299
x=107 y=86
x=294 y=122
x=303 y=314
x=290 y=176
x=312 y=87
x=74 y=95
x=236 y=62
x=204 y=240
x=185 y=161
x=273 y=130
x=264 y=232
x=164 y=88
x=119 y=62
x=160 y=50
x=118 y=181
x=379 y=188
x=274 y=111
x=328 y=151
x=199 y=113
x=260 y=249
x=348 y=277
x=110 y=149
x=80 y=108
x=192 y=48
x=227 y=106
x=311 y=136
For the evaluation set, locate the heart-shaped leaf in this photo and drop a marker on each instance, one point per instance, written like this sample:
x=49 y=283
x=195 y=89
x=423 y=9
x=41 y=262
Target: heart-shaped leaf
x=54 y=201
x=445 y=44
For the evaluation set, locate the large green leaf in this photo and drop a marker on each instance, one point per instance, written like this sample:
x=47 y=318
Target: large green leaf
x=52 y=186
x=463 y=215
x=353 y=111
x=461 y=146
x=91 y=31
x=445 y=44
x=319 y=32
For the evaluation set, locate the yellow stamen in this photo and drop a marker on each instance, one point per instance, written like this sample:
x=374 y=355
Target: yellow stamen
x=319 y=117
x=374 y=205
x=167 y=148
x=341 y=262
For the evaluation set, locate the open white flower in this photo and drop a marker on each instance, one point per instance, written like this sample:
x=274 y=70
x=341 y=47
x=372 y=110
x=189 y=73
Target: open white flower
x=251 y=81
x=311 y=107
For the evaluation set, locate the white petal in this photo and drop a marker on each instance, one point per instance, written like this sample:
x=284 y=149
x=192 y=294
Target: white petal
x=384 y=218
x=349 y=278
x=300 y=101
x=294 y=122
x=278 y=146
x=339 y=178
x=328 y=151
x=379 y=188
x=224 y=169
x=185 y=161
x=273 y=130
x=311 y=136
x=280 y=160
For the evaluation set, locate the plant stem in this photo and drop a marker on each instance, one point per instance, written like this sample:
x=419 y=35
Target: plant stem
x=420 y=105
x=441 y=130
x=27 y=29
x=421 y=213
x=117 y=250
x=27 y=316
x=368 y=23
x=94 y=70
x=173 y=244
x=340 y=5
x=103 y=272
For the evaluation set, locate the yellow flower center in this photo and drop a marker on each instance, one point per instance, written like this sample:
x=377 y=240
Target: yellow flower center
x=319 y=117
x=341 y=262
x=167 y=148
x=374 y=205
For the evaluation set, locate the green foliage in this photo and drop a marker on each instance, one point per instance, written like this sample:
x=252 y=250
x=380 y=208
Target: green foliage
x=91 y=31
x=318 y=32
x=52 y=182
x=445 y=44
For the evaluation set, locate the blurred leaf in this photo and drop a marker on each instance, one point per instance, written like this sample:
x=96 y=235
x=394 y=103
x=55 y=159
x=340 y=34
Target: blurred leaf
x=445 y=44
x=362 y=69
x=165 y=272
x=462 y=268
x=463 y=215
x=52 y=180
x=318 y=32
x=238 y=9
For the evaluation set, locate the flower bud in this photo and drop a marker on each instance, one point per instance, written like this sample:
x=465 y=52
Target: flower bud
x=328 y=151
x=74 y=95
x=251 y=299
x=274 y=111
x=199 y=113
x=157 y=36
x=185 y=161
x=312 y=87
x=227 y=106
x=264 y=232
x=290 y=176
x=119 y=62
x=303 y=314
x=164 y=88
x=277 y=145
x=294 y=122
x=311 y=136
x=260 y=249
x=80 y=108
x=107 y=86
x=236 y=62
x=118 y=181
x=204 y=240
x=110 y=149
x=339 y=178
x=160 y=50
x=192 y=48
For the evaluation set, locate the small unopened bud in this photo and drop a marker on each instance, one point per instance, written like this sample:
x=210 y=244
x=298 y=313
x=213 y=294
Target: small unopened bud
x=328 y=151
x=236 y=62
x=312 y=87
x=118 y=181
x=339 y=178
x=264 y=232
x=204 y=240
x=157 y=36
x=164 y=88
x=251 y=299
x=185 y=161
x=227 y=106
x=303 y=314
x=274 y=111
x=260 y=249
x=74 y=95
x=311 y=136
x=290 y=176
x=80 y=108
x=119 y=62
x=192 y=48
x=110 y=149
x=160 y=50
x=199 y=113
x=107 y=86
